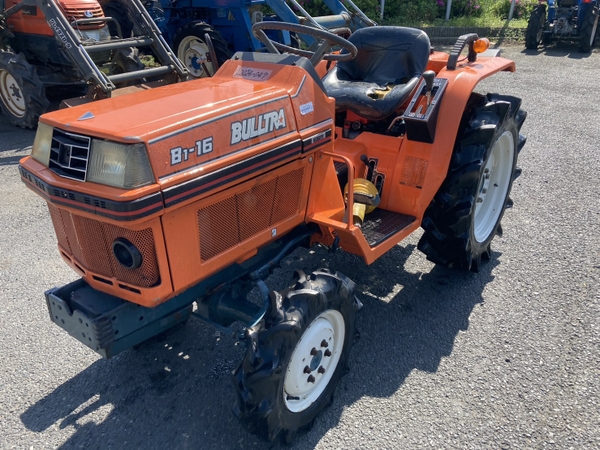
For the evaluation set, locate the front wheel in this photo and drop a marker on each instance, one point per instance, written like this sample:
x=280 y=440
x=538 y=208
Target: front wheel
x=193 y=51
x=589 y=28
x=465 y=214
x=297 y=356
x=535 y=27
x=22 y=96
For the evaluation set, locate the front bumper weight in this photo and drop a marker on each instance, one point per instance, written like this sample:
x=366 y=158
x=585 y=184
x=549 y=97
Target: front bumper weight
x=107 y=324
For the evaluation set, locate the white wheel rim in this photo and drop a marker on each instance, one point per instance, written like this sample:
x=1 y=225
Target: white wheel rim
x=314 y=360
x=493 y=186
x=192 y=52
x=12 y=95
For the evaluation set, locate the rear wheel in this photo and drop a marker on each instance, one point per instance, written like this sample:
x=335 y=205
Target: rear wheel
x=117 y=11
x=193 y=51
x=465 y=214
x=22 y=96
x=126 y=60
x=535 y=27
x=297 y=356
x=588 y=31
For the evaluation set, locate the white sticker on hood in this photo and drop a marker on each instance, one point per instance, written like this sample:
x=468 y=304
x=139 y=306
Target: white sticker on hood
x=306 y=108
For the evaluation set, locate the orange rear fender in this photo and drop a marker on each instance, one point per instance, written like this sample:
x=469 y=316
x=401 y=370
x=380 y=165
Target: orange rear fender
x=431 y=160
x=414 y=170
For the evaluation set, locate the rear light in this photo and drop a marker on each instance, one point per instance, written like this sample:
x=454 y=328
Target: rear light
x=481 y=45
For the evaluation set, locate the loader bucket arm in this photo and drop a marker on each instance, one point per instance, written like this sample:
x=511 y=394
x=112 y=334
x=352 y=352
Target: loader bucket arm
x=79 y=52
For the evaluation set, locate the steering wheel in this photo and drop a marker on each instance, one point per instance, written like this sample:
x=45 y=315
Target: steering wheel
x=327 y=40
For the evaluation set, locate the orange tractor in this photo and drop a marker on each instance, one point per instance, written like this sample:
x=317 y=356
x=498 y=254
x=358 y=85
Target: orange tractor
x=51 y=50
x=181 y=199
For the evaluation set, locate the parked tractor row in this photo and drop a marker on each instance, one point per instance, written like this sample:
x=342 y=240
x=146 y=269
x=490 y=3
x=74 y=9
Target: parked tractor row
x=51 y=50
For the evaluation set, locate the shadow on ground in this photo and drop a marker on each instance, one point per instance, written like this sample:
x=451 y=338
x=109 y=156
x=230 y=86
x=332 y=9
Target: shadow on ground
x=559 y=49
x=176 y=392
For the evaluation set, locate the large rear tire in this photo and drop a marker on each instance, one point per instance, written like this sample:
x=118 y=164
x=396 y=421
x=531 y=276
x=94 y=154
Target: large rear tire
x=588 y=31
x=116 y=10
x=126 y=60
x=535 y=27
x=22 y=96
x=465 y=214
x=297 y=356
x=193 y=51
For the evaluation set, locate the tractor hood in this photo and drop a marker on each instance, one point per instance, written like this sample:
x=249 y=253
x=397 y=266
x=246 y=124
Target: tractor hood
x=247 y=108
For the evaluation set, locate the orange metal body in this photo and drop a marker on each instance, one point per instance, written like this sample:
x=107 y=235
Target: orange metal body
x=238 y=162
x=30 y=20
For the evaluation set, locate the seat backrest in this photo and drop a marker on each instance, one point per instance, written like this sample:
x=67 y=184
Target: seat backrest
x=387 y=55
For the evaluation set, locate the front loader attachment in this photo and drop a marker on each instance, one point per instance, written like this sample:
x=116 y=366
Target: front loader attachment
x=81 y=52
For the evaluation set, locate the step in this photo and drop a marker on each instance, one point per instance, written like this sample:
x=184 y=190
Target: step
x=381 y=225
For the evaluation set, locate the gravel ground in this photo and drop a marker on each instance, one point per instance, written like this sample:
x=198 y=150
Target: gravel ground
x=505 y=359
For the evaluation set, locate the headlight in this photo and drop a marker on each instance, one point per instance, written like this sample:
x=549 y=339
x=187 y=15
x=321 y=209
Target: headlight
x=98 y=35
x=120 y=165
x=42 y=144
x=104 y=33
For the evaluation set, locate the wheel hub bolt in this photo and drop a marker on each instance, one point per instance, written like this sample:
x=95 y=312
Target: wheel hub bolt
x=307 y=370
x=327 y=352
x=311 y=379
x=324 y=343
x=313 y=352
x=321 y=370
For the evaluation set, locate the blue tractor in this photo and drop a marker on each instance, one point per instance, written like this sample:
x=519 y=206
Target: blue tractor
x=194 y=28
x=575 y=20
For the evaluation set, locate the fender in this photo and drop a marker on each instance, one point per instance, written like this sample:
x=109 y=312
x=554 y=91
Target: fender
x=436 y=156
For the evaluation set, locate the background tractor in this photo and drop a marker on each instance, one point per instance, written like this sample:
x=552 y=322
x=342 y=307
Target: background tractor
x=185 y=24
x=180 y=200
x=51 y=50
x=563 y=20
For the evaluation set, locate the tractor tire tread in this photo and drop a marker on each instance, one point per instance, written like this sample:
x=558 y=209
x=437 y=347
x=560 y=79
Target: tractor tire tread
x=447 y=239
x=588 y=26
x=32 y=87
x=536 y=23
x=259 y=378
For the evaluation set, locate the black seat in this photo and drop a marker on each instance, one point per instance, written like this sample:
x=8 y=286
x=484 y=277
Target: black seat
x=387 y=68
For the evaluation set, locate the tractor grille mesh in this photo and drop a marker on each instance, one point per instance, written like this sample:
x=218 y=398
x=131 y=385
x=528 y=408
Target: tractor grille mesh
x=90 y=243
x=235 y=219
x=86 y=12
x=69 y=154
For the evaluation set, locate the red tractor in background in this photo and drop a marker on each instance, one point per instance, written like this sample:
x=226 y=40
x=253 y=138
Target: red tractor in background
x=55 y=49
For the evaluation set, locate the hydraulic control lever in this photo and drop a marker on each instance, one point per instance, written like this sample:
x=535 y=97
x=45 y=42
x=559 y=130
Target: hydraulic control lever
x=428 y=76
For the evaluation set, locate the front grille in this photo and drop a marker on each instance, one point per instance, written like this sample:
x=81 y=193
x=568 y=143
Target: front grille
x=74 y=13
x=69 y=155
x=89 y=242
x=237 y=218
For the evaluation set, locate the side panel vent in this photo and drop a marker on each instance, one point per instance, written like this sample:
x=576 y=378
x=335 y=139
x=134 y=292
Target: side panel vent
x=235 y=219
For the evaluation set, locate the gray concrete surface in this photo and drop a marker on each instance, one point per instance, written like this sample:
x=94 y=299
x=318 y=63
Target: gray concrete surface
x=505 y=359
